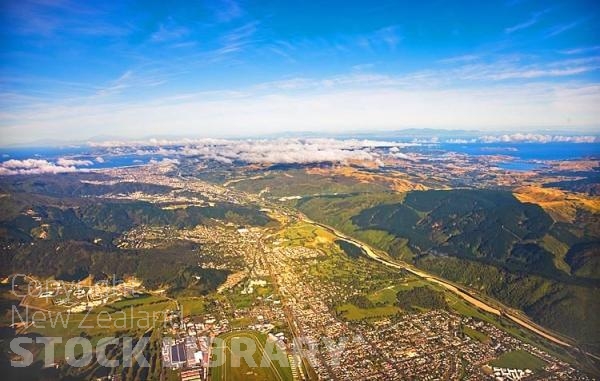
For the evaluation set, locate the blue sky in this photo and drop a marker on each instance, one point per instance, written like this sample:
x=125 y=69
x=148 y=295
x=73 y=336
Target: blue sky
x=73 y=70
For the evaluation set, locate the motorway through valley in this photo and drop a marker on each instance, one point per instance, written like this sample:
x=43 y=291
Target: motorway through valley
x=468 y=296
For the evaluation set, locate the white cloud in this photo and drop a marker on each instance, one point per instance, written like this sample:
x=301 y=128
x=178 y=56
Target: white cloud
x=165 y=161
x=461 y=141
x=259 y=151
x=169 y=32
x=32 y=166
x=296 y=151
x=511 y=68
x=580 y=50
x=40 y=166
x=271 y=151
x=526 y=24
x=24 y=164
x=65 y=162
x=400 y=155
x=562 y=28
x=537 y=138
x=523 y=25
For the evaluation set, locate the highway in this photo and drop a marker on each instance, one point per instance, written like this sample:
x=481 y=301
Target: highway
x=468 y=296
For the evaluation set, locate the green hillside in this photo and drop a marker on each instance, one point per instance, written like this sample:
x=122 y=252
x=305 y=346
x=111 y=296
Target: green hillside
x=58 y=227
x=479 y=224
x=485 y=239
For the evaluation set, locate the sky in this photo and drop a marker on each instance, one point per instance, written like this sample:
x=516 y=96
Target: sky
x=73 y=70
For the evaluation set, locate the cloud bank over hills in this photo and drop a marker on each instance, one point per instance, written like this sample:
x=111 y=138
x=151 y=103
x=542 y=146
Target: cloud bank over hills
x=37 y=166
x=264 y=151
x=530 y=138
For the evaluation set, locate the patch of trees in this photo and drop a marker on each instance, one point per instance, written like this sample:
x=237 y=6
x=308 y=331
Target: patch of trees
x=361 y=301
x=556 y=305
x=108 y=219
x=350 y=249
x=486 y=225
x=174 y=267
x=589 y=185
x=70 y=185
x=584 y=259
x=420 y=297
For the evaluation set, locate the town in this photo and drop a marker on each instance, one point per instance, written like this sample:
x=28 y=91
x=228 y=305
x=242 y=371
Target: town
x=292 y=285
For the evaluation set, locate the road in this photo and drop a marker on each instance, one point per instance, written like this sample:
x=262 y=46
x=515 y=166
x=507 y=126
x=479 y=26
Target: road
x=294 y=328
x=467 y=296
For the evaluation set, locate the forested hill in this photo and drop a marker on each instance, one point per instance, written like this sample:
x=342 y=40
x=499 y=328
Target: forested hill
x=68 y=227
x=486 y=225
x=488 y=240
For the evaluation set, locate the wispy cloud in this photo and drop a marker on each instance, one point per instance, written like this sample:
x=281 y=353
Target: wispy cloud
x=33 y=19
x=282 y=53
x=363 y=67
x=460 y=59
x=185 y=44
x=523 y=25
x=117 y=85
x=389 y=36
x=473 y=72
x=587 y=49
x=501 y=70
x=326 y=107
x=526 y=24
x=228 y=10
x=169 y=31
x=233 y=41
x=355 y=79
x=385 y=39
x=240 y=35
x=530 y=73
x=559 y=29
x=132 y=79
x=50 y=18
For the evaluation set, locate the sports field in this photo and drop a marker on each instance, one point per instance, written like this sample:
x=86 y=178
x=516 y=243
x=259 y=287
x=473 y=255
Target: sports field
x=232 y=363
